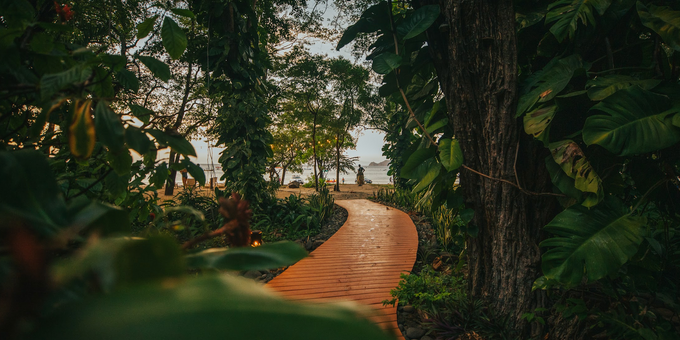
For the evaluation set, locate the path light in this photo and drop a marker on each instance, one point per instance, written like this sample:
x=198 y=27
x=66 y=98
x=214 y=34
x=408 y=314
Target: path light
x=256 y=238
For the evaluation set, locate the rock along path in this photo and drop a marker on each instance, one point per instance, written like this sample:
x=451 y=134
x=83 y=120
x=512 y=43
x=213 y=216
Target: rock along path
x=361 y=262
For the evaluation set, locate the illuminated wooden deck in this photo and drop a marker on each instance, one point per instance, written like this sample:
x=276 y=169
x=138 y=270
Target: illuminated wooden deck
x=361 y=262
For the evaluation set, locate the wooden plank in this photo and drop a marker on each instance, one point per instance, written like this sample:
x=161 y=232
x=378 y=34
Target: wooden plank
x=362 y=262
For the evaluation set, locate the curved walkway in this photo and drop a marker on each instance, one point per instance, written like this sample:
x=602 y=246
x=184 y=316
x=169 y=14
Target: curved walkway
x=361 y=262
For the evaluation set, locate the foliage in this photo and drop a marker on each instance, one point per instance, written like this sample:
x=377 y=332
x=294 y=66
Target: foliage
x=429 y=291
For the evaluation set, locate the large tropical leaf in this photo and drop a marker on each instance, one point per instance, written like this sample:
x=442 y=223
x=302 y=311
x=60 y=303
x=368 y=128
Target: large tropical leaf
x=545 y=84
x=176 y=142
x=109 y=127
x=174 y=38
x=145 y=27
x=566 y=14
x=157 y=67
x=564 y=183
x=537 y=122
x=386 y=63
x=450 y=154
x=431 y=174
x=373 y=19
x=418 y=21
x=594 y=242
x=418 y=163
x=208 y=307
x=267 y=256
x=569 y=156
x=603 y=87
x=635 y=121
x=664 y=21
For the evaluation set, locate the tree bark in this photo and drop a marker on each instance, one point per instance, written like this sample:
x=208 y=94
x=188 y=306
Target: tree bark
x=476 y=59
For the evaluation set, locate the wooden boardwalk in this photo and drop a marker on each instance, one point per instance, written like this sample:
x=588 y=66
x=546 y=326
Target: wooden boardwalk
x=361 y=262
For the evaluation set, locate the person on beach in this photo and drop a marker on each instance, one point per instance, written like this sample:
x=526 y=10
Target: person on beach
x=360 y=176
x=343 y=180
x=185 y=177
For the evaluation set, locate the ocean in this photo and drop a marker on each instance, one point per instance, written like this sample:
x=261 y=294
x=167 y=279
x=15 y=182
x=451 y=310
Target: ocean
x=377 y=174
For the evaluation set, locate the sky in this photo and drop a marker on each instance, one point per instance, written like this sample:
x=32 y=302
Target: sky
x=370 y=142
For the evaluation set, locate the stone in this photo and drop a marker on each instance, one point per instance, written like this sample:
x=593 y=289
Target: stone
x=308 y=245
x=252 y=274
x=294 y=185
x=414 y=332
x=408 y=309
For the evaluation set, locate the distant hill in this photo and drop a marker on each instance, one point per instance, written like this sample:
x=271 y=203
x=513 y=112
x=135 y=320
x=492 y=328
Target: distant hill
x=383 y=163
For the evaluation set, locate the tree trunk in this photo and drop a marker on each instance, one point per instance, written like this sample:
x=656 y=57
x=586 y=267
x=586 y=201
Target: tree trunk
x=316 y=178
x=337 y=163
x=475 y=55
x=170 y=183
x=283 y=174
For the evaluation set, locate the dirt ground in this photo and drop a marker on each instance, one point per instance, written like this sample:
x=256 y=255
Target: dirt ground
x=347 y=191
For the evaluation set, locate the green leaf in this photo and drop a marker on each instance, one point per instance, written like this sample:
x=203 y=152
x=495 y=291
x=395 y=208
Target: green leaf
x=662 y=20
x=174 y=39
x=157 y=67
x=418 y=21
x=120 y=161
x=128 y=80
x=137 y=140
x=386 y=63
x=564 y=183
x=146 y=26
x=568 y=13
x=603 y=87
x=109 y=128
x=537 y=122
x=373 y=19
x=545 y=84
x=416 y=164
x=103 y=218
x=595 y=242
x=154 y=258
x=569 y=156
x=177 y=143
x=207 y=307
x=30 y=193
x=636 y=121
x=676 y=120
x=450 y=154
x=267 y=256
x=432 y=173
x=81 y=131
x=53 y=83
x=141 y=112
x=160 y=175
x=195 y=171
x=184 y=12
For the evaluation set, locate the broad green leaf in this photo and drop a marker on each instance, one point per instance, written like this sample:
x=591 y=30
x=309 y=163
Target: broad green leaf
x=566 y=14
x=603 y=87
x=160 y=175
x=110 y=130
x=120 y=160
x=81 y=137
x=545 y=84
x=137 y=140
x=177 y=143
x=636 y=121
x=432 y=128
x=266 y=256
x=414 y=165
x=174 y=38
x=52 y=83
x=568 y=155
x=564 y=183
x=450 y=154
x=662 y=20
x=154 y=258
x=595 y=242
x=207 y=307
x=525 y=20
x=418 y=21
x=676 y=120
x=115 y=62
x=30 y=193
x=101 y=217
x=195 y=171
x=157 y=67
x=373 y=19
x=146 y=26
x=141 y=112
x=537 y=122
x=184 y=12
x=117 y=185
x=128 y=80
x=429 y=177
x=386 y=63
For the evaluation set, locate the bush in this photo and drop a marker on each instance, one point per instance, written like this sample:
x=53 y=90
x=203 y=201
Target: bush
x=430 y=291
